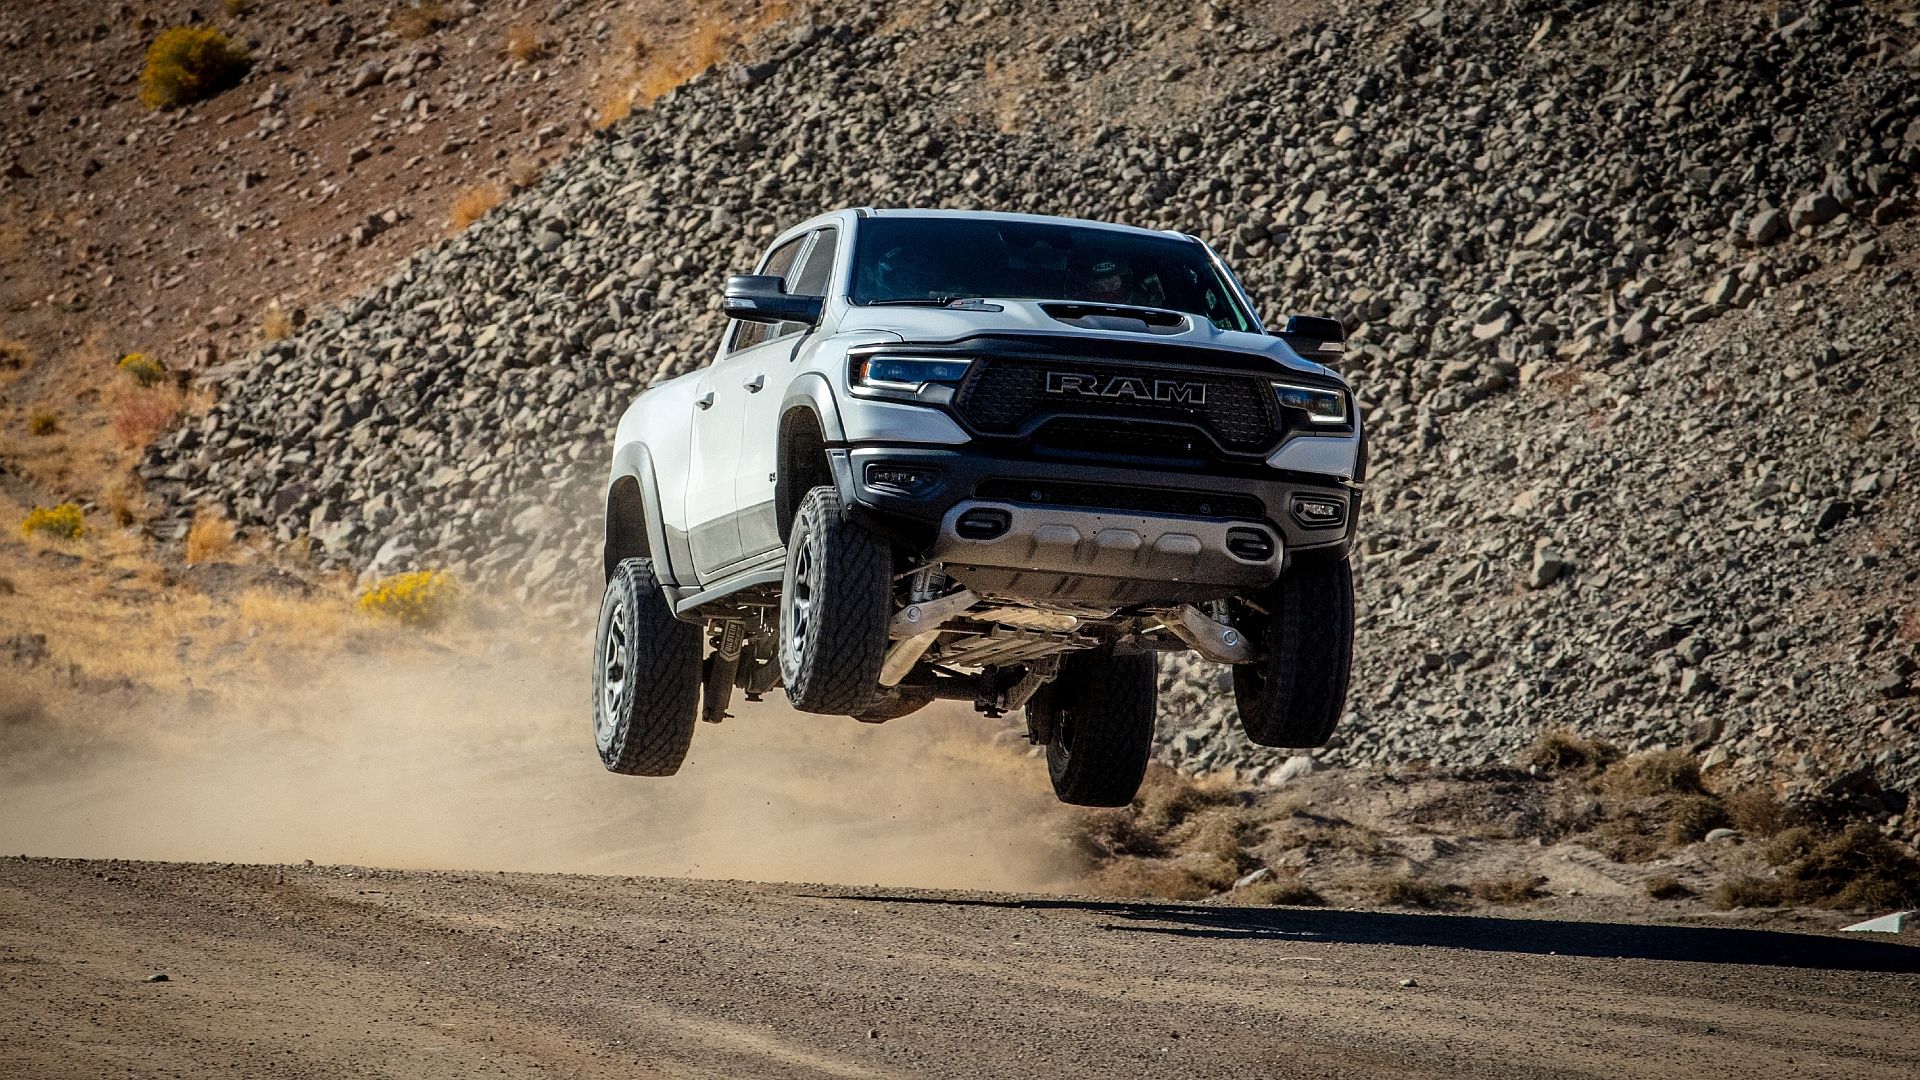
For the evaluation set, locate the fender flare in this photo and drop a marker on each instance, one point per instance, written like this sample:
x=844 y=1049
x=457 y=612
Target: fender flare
x=811 y=388
x=634 y=460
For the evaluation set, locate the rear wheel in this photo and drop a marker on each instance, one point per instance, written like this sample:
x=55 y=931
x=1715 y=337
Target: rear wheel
x=835 y=601
x=1096 y=721
x=1294 y=695
x=646 y=676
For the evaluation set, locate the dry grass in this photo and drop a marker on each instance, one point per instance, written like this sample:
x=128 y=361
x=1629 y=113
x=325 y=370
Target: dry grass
x=523 y=44
x=1561 y=750
x=143 y=415
x=276 y=324
x=15 y=353
x=1747 y=892
x=43 y=423
x=420 y=20
x=1656 y=772
x=1666 y=887
x=1406 y=890
x=1280 y=892
x=209 y=538
x=120 y=497
x=475 y=203
x=1859 y=868
x=1507 y=890
x=1755 y=811
x=1691 y=817
x=644 y=70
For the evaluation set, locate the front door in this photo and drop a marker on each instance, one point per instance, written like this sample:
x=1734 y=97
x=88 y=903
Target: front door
x=766 y=376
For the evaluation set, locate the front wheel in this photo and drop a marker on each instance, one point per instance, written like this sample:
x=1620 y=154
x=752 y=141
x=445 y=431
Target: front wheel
x=646 y=676
x=835 y=601
x=1096 y=721
x=1294 y=694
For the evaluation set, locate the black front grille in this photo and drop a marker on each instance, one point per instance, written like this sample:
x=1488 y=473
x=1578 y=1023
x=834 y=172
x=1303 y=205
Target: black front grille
x=1143 y=500
x=1007 y=395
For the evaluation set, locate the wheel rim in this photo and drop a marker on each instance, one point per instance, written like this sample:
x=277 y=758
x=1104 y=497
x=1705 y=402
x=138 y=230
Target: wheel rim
x=800 y=595
x=616 y=666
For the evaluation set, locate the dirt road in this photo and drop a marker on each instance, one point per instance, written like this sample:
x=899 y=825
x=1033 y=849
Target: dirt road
x=318 y=971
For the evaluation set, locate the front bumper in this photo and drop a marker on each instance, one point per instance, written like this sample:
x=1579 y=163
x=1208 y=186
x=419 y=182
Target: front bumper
x=917 y=495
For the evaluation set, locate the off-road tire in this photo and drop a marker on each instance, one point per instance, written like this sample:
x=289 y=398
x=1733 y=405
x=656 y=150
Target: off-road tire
x=1293 y=697
x=1097 y=717
x=646 y=676
x=835 y=601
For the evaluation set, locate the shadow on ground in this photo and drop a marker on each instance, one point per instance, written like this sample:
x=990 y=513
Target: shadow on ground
x=1694 y=944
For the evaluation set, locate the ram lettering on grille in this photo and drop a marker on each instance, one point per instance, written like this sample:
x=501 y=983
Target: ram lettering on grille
x=1087 y=384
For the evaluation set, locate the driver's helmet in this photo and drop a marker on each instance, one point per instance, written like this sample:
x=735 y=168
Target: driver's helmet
x=1105 y=279
x=907 y=272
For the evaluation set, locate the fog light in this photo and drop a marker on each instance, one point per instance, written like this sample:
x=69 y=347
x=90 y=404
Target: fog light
x=899 y=478
x=1319 y=513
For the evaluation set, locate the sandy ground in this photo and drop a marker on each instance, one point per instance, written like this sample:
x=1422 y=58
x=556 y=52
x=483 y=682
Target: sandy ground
x=340 y=972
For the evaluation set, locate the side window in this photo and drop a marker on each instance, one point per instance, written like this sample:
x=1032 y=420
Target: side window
x=748 y=334
x=812 y=276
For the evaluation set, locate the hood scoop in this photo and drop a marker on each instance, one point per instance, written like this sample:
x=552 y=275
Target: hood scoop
x=1116 y=317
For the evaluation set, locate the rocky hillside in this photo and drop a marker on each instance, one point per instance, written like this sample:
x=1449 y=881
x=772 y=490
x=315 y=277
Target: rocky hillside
x=1632 y=288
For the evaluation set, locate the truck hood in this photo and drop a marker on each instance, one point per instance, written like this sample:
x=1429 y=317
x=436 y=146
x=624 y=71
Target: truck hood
x=1031 y=318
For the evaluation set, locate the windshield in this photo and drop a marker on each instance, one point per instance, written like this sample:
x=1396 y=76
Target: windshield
x=933 y=260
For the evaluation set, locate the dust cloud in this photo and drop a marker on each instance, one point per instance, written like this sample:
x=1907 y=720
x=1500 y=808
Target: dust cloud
x=489 y=765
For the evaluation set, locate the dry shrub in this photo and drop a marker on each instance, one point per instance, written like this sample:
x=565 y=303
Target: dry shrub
x=644 y=71
x=1656 y=772
x=1560 y=750
x=524 y=44
x=64 y=521
x=420 y=20
x=1329 y=834
x=1154 y=879
x=616 y=104
x=1755 y=811
x=1406 y=890
x=1691 y=817
x=209 y=537
x=15 y=353
x=143 y=369
x=1167 y=797
x=1507 y=890
x=1280 y=892
x=188 y=63
x=43 y=423
x=1860 y=868
x=1666 y=887
x=276 y=324
x=121 y=499
x=144 y=415
x=474 y=203
x=1790 y=845
x=1743 y=892
x=421 y=598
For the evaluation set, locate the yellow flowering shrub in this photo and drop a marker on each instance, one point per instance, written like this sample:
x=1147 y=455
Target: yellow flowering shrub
x=143 y=369
x=420 y=598
x=187 y=63
x=63 y=521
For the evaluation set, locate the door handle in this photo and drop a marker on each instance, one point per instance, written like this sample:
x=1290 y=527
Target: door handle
x=754 y=384
x=704 y=401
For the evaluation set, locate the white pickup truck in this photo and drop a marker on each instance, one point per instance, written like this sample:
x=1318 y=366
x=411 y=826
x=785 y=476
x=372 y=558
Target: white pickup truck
x=989 y=457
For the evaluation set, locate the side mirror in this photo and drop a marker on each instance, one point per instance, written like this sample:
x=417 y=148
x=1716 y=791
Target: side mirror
x=764 y=298
x=1323 y=341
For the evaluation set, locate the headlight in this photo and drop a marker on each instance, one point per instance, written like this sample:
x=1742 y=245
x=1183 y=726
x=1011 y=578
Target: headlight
x=908 y=373
x=1322 y=406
